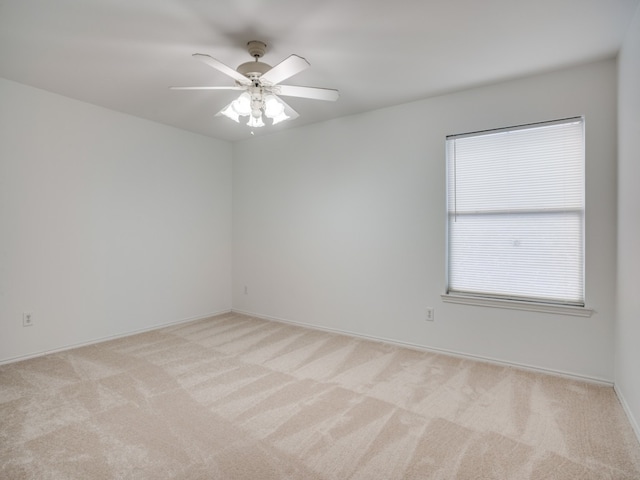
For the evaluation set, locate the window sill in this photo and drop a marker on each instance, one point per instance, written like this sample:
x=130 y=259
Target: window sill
x=516 y=305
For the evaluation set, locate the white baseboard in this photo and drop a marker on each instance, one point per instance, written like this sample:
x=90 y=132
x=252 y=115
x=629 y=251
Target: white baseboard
x=627 y=411
x=110 y=337
x=415 y=346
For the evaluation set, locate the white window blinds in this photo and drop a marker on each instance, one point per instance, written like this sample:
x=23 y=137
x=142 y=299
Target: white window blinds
x=515 y=201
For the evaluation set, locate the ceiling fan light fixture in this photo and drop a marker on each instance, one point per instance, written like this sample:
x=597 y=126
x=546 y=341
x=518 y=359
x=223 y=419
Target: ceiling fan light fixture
x=261 y=85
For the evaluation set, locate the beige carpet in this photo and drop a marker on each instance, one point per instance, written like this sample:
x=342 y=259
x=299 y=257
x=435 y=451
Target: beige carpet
x=233 y=397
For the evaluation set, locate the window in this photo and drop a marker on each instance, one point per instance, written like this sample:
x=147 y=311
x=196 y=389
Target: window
x=515 y=208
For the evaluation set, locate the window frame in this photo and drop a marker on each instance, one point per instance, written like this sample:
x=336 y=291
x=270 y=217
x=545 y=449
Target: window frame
x=511 y=301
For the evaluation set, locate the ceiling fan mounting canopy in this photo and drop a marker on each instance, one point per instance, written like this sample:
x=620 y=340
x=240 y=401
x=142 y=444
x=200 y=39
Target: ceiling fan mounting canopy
x=253 y=69
x=256 y=48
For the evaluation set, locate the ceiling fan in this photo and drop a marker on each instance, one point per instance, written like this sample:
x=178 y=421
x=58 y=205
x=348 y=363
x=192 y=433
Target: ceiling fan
x=260 y=84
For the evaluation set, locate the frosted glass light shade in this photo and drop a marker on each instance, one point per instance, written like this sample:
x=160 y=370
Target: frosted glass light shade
x=229 y=112
x=274 y=109
x=280 y=118
x=253 y=106
x=255 y=121
x=242 y=105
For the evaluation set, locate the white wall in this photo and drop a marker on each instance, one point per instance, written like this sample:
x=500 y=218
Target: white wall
x=628 y=322
x=112 y=224
x=341 y=225
x=108 y=224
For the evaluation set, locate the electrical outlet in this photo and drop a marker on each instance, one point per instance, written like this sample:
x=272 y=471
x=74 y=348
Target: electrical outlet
x=27 y=319
x=430 y=314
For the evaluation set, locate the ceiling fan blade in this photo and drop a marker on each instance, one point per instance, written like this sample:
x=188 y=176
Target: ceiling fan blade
x=287 y=68
x=218 y=65
x=328 y=94
x=207 y=88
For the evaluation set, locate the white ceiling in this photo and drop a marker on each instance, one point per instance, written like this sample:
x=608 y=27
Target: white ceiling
x=123 y=54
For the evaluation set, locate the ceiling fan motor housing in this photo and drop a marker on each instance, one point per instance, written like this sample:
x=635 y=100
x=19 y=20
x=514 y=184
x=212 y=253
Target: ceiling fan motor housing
x=253 y=69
